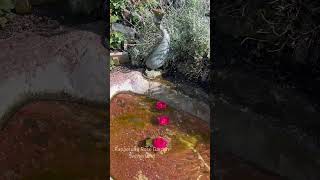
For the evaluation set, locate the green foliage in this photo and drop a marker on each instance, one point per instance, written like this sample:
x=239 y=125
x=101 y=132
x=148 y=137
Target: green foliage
x=6 y=5
x=117 y=6
x=114 y=18
x=189 y=30
x=138 y=11
x=116 y=40
x=112 y=65
x=150 y=36
x=148 y=143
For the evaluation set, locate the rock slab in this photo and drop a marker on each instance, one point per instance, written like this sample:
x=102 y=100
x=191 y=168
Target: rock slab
x=74 y=63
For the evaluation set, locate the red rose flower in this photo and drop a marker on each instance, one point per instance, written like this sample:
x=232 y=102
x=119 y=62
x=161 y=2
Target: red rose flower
x=160 y=105
x=160 y=143
x=163 y=120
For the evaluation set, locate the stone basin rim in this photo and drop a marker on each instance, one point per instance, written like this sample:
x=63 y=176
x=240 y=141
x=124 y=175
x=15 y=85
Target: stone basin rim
x=134 y=82
x=130 y=92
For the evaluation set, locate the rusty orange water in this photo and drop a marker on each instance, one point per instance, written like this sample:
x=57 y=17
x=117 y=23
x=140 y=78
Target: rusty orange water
x=133 y=120
x=54 y=140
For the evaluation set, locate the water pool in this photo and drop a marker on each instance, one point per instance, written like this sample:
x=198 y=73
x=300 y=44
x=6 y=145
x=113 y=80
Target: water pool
x=54 y=140
x=133 y=120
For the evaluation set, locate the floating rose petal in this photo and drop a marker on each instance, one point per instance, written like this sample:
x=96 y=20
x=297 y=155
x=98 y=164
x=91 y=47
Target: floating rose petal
x=160 y=105
x=163 y=120
x=160 y=143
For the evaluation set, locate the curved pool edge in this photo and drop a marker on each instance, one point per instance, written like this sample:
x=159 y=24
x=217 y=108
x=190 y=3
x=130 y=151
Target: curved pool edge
x=134 y=82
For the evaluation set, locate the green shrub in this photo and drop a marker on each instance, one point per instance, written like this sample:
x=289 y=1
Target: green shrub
x=139 y=10
x=112 y=65
x=149 y=37
x=6 y=5
x=116 y=6
x=116 y=40
x=189 y=30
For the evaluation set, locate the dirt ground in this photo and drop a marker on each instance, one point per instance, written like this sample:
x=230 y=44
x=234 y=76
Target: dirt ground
x=29 y=23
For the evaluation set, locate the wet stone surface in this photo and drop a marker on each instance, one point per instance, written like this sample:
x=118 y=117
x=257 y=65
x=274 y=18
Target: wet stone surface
x=132 y=80
x=133 y=120
x=74 y=63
